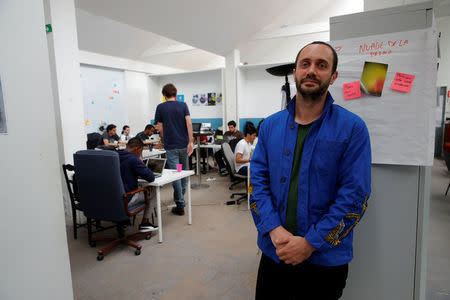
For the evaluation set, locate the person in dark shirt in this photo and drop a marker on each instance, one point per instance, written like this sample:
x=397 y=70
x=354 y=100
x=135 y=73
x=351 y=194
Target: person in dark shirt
x=232 y=133
x=175 y=127
x=132 y=167
x=110 y=137
x=148 y=131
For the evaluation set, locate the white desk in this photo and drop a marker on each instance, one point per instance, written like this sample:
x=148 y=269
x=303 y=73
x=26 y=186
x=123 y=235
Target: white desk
x=169 y=176
x=154 y=153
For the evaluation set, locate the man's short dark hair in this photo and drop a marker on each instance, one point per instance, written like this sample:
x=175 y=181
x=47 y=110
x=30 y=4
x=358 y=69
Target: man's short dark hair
x=110 y=127
x=335 y=57
x=149 y=127
x=232 y=123
x=169 y=91
x=135 y=143
x=249 y=128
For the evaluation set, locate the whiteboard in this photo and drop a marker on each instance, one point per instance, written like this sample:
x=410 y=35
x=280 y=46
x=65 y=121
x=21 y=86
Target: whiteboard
x=103 y=97
x=401 y=125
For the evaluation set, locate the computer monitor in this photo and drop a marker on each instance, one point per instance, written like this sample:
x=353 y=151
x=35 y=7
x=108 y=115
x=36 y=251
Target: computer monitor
x=196 y=127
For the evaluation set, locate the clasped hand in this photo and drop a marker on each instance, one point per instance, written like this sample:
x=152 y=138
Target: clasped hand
x=289 y=248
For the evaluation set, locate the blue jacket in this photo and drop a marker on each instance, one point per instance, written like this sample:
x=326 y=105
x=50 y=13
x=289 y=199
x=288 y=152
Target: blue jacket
x=334 y=181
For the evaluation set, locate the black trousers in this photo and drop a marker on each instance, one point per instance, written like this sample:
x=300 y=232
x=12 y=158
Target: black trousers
x=220 y=160
x=304 y=281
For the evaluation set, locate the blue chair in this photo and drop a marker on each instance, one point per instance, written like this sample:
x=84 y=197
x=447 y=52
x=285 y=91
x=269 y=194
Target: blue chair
x=102 y=197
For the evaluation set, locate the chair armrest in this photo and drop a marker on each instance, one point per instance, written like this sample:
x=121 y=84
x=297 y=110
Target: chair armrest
x=130 y=193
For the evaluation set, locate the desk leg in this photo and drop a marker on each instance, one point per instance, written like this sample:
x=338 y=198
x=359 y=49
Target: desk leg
x=199 y=185
x=189 y=200
x=158 y=212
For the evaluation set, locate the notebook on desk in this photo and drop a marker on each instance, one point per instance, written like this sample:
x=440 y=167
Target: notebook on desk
x=156 y=165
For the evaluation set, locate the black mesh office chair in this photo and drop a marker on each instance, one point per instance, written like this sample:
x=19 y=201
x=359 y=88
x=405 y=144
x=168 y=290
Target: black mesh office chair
x=235 y=177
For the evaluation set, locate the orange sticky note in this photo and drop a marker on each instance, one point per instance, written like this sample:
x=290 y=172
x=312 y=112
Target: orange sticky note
x=402 y=82
x=352 y=90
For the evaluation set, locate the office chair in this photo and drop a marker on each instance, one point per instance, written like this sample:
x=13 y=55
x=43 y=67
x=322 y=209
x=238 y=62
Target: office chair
x=102 y=197
x=235 y=177
x=74 y=198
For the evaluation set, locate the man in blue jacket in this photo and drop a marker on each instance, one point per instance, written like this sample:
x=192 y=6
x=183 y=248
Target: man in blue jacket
x=311 y=181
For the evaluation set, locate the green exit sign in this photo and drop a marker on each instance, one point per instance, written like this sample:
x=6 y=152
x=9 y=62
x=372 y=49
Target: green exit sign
x=48 y=28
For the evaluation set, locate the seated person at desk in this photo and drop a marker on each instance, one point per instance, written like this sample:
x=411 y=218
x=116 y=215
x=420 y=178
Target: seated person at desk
x=244 y=151
x=232 y=133
x=131 y=166
x=126 y=135
x=110 y=137
x=145 y=135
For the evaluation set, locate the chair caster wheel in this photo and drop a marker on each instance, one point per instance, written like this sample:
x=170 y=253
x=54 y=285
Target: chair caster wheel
x=92 y=244
x=147 y=237
x=100 y=257
x=137 y=252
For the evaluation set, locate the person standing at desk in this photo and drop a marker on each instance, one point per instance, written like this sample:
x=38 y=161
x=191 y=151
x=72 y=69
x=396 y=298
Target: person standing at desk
x=175 y=126
x=311 y=182
x=131 y=166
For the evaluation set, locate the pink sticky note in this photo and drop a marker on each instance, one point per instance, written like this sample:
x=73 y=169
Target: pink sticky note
x=352 y=90
x=402 y=82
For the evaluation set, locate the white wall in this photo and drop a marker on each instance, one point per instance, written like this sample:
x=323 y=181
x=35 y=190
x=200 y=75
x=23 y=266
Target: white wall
x=138 y=101
x=260 y=92
x=277 y=50
x=64 y=60
x=189 y=84
x=101 y=103
x=443 y=76
x=34 y=256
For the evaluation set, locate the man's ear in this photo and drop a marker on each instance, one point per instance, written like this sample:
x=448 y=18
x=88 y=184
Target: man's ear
x=334 y=77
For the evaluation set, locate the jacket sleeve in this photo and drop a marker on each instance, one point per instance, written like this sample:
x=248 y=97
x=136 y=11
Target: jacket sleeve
x=143 y=171
x=264 y=214
x=352 y=194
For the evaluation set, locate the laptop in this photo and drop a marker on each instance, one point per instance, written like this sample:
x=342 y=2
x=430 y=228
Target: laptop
x=156 y=165
x=196 y=127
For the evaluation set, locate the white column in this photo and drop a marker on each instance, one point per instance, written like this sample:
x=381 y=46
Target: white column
x=138 y=100
x=64 y=60
x=230 y=111
x=34 y=257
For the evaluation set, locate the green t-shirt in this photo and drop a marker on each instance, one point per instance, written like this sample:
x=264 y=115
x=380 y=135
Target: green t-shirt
x=291 y=209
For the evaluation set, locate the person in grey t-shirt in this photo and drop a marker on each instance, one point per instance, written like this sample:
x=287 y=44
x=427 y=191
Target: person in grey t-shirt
x=110 y=137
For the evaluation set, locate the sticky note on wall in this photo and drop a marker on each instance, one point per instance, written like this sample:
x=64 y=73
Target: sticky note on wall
x=352 y=90
x=402 y=82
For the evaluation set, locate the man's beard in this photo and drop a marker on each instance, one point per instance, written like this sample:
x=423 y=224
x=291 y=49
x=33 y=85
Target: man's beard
x=315 y=94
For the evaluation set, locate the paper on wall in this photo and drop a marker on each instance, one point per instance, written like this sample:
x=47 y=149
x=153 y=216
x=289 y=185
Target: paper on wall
x=401 y=125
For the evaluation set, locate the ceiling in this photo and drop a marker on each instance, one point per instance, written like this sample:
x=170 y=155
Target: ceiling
x=214 y=26
x=109 y=37
x=197 y=34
